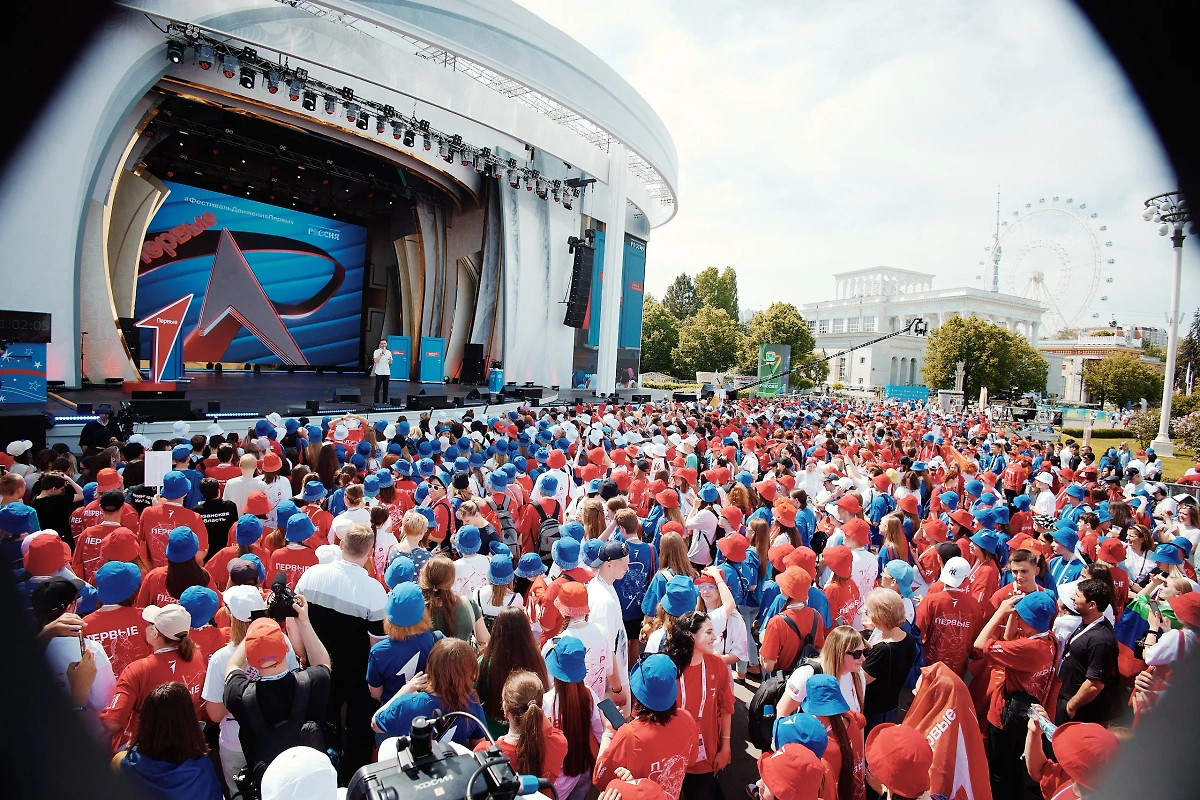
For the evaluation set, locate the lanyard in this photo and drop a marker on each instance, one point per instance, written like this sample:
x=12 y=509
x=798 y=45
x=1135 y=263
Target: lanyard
x=703 y=691
x=1080 y=632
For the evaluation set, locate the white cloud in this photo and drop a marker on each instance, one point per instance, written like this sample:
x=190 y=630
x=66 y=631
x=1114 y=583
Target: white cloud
x=816 y=140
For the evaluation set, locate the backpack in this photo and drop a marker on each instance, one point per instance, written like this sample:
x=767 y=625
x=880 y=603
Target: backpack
x=508 y=528
x=743 y=591
x=548 y=530
x=490 y=619
x=760 y=713
x=291 y=732
x=910 y=680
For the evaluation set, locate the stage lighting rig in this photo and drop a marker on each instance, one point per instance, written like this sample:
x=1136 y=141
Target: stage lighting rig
x=246 y=77
x=229 y=65
x=555 y=191
x=310 y=100
x=397 y=128
x=295 y=87
x=204 y=56
x=273 y=81
x=379 y=123
x=175 y=52
x=410 y=138
x=441 y=148
x=514 y=178
x=539 y=187
x=330 y=104
x=363 y=122
x=351 y=112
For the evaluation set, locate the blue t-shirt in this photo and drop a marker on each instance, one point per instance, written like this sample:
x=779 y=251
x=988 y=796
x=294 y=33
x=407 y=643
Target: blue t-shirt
x=337 y=502
x=396 y=717
x=631 y=589
x=392 y=663
x=654 y=593
x=762 y=512
x=193 y=497
x=742 y=579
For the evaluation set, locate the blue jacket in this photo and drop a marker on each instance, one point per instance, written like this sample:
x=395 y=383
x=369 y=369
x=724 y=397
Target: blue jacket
x=194 y=779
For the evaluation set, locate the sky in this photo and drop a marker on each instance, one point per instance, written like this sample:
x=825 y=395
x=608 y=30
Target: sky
x=821 y=138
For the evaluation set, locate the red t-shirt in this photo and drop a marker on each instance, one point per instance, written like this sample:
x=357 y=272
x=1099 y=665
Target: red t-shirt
x=1056 y=784
x=706 y=692
x=555 y=744
x=1021 y=522
x=321 y=520
x=218 y=565
x=221 y=473
x=929 y=565
x=949 y=621
x=141 y=677
x=780 y=643
x=855 y=724
x=661 y=753
x=291 y=561
x=154 y=589
x=209 y=639
x=530 y=522
x=550 y=618
x=984 y=580
x=1028 y=666
x=121 y=631
x=443 y=514
x=844 y=602
x=1120 y=588
x=88 y=558
x=157 y=523
x=92 y=514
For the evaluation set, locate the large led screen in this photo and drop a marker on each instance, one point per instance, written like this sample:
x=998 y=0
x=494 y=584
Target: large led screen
x=267 y=285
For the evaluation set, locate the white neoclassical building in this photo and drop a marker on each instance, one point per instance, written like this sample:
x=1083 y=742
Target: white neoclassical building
x=871 y=302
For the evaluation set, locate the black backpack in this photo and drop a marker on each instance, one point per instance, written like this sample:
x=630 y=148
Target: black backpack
x=761 y=714
x=295 y=730
x=548 y=530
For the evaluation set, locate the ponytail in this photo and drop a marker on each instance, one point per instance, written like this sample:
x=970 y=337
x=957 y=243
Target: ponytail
x=523 y=702
x=845 y=778
x=187 y=648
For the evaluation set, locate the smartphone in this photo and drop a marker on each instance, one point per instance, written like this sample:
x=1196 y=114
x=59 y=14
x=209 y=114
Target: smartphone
x=609 y=708
x=1154 y=607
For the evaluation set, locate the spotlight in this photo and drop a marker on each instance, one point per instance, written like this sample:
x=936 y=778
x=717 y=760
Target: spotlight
x=425 y=138
x=479 y=163
x=229 y=65
x=247 y=78
x=540 y=188
x=566 y=200
x=465 y=160
x=174 y=52
x=330 y=104
x=410 y=138
x=441 y=148
x=555 y=193
x=204 y=56
x=514 y=179
x=379 y=124
x=397 y=128
x=273 y=81
x=363 y=122
x=351 y=111
x=295 y=87
x=310 y=99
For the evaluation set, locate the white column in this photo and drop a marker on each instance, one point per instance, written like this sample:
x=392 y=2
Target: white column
x=1162 y=443
x=614 y=253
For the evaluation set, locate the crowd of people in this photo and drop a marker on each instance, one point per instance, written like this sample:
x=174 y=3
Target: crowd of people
x=920 y=602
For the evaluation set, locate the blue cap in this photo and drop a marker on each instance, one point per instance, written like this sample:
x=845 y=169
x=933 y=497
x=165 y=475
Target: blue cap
x=500 y=570
x=427 y=513
x=549 y=485
x=903 y=574
x=313 y=491
x=400 y=570
x=655 y=682
x=593 y=486
x=709 y=493
x=380 y=425
x=497 y=482
x=371 y=486
x=918 y=466
x=530 y=566
x=403 y=428
x=986 y=540
x=974 y=488
x=1021 y=501
x=284 y=512
x=573 y=529
x=1183 y=543
x=802 y=729
x=248 y=531
x=181 y=452
x=680 y=596
x=182 y=544
x=89 y=492
x=384 y=479
x=565 y=553
x=403 y=467
x=1167 y=553
x=117 y=581
x=256 y=561
x=89 y=600
x=175 y=485
x=426 y=467
x=467 y=541
x=949 y=499
x=405 y=605
x=201 y=603
x=1065 y=536
x=18 y=518
x=824 y=697
x=359 y=461
x=591 y=552
x=299 y=528
x=744 y=478
x=1037 y=610
x=363 y=447
x=1076 y=491
x=567 y=660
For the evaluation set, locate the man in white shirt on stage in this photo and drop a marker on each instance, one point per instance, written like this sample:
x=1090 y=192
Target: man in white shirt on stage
x=382 y=369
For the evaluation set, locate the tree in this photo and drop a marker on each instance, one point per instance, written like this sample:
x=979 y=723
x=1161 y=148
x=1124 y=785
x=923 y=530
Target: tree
x=718 y=289
x=1121 y=378
x=996 y=358
x=660 y=336
x=1188 y=352
x=1154 y=351
x=782 y=323
x=680 y=298
x=709 y=341
x=1067 y=333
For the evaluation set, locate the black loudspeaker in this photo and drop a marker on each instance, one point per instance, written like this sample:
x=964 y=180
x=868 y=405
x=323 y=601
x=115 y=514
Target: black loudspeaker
x=581 y=286
x=214 y=407
x=472 y=365
x=683 y=397
x=161 y=410
x=312 y=406
x=641 y=398
x=427 y=402
x=132 y=335
x=347 y=394
x=159 y=394
x=532 y=393
x=17 y=427
x=83 y=408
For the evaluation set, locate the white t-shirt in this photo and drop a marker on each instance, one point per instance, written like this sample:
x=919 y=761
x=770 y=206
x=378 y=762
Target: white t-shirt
x=565 y=784
x=63 y=651
x=654 y=641
x=470 y=573
x=214 y=690
x=239 y=488
x=730 y=633
x=863 y=571
x=483 y=599
x=702 y=530
x=606 y=612
x=382 y=360
x=277 y=491
x=798 y=681
x=343 y=521
x=598 y=656
x=1166 y=650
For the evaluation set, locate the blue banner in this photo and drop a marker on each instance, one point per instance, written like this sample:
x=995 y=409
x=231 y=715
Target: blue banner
x=633 y=292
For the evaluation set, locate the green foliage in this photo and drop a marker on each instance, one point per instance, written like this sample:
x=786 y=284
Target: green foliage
x=709 y=341
x=1121 y=378
x=837 y=386
x=1101 y=433
x=782 y=323
x=1188 y=352
x=1067 y=333
x=670 y=386
x=1183 y=404
x=1143 y=426
x=1104 y=333
x=660 y=337
x=1185 y=430
x=718 y=289
x=680 y=298
x=994 y=357
x=1154 y=351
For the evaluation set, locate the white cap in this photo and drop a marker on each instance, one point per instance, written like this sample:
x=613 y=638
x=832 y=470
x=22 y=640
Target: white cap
x=328 y=553
x=180 y=429
x=243 y=601
x=171 y=620
x=353 y=424
x=275 y=420
x=340 y=433
x=955 y=572
x=1044 y=477
x=1179 y=498
x=214 y=430
x=389 y=432
x=300 y=773
x=845 y=483
x=18 y=448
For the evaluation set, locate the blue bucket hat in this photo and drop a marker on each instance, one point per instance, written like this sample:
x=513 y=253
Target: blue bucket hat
x=1001 y=513
x=744 y=478
x=476 y=460
x=426 y=467
x=424 y=448
x=987 y=540
x=403 y=468
x=182 y=544
x=680 y=596
x=435 y=446
x=574 y=530
x=497 y=482
x=500 y=570
x=117 y=581
x=1167 y=553
x=800 y=728
x=903 y=574
x=985 y=517
x=549 y=485
x=521 y=463
x=181 y=452
x=655 y=681
x=299 y=528
x=384 y=479
x=824 y=697
x=371 y=486
x=290 y=425
x=201 y=603
x=363 y=448
x=593 y=486
x=530 y=566
x=359 y=461
x=974 y=488
x=709 y=493
x=496 y=548
x=401 y=569
x=1037 y=610
x=467 y=541
x=314 y=491
x=175 y=485
x=249 y=530
x=565 y=553
x=261 y=427
x=461 y=464
x=591 y=552
x=918 y=466
x=405 y=605
x=427 y=513
x=1067 y=537
x=566 y=661
x=284 y=512
x=403 y=428
x=988 y=498
x=315 y=434
x=949 y=500
x=1021 y=501
x=1076 y=491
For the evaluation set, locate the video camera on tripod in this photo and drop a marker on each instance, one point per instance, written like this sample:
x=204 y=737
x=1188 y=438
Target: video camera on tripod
x=425 y=769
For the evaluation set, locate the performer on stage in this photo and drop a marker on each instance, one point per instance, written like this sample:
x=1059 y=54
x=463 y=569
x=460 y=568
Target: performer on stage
x=382 y=369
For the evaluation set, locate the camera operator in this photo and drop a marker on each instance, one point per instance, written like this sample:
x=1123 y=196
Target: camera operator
x=260 y=690
x=100 y=432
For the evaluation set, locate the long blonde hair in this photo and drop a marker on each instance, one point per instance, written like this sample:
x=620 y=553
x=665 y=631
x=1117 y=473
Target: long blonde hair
x=673 y=555
x=591 y=515
x=838 y=642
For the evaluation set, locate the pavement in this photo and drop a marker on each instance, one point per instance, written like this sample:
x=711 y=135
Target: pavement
x=743 y=768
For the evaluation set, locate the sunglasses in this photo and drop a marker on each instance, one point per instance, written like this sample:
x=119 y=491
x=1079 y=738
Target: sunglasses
x=856 y=654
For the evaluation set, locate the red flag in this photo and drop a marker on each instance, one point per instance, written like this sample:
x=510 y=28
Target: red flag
x=943 y=711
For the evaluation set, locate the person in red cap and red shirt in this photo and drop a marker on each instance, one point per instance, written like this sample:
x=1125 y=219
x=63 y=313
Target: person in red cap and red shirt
x=1111 y=552
x=166 y=515
x=1083 y=749
x=88 y=556
x=123 y=545
x=793 y=772
x=898 y=762
x=107 y=480
x=845 y=603
x=781 y=646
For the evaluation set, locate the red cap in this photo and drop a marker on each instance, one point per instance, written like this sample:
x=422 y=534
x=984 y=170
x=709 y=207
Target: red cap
x=671 y=526
x=108 y=479
x=734 y=516
x=1112 y=550
x=596 y=455
x=793 y=772
x=935 y=529
x=908 y=504
x=964 y=518
x=785 y=513
x=1187 y=608
x=257 y=504
x=858 y=530
x=794 y=583
x=272 y=463
x=689 y=475
x=849 y=502
x=622 y=479
x=778 y=554
x=900 y=758
x=572 y=599
x=766 y=490
x=266 y=645
x=734 y=545
x=668 y=498
x=804 y=558
x=882 y=482
x=839 y=559
x=787 y=481
x=589 y=472
x=47 y=554
x=120 y=545
x=1083 y=750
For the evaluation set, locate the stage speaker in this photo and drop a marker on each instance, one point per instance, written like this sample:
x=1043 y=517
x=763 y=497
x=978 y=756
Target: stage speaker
x=532 y=393
x=15 y=427
x=159 y=394
x=214 y=406
x=426 y=402
x=83 y=408
x=347 y=394
x=684 y=397
x=581 y=286
x=162 y=410
x=132 y=335
x=472 y=365
x=641 y=398
x=312 y=406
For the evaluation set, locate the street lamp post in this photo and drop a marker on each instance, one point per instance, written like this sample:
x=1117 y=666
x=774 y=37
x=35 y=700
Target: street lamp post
x=1171 y=213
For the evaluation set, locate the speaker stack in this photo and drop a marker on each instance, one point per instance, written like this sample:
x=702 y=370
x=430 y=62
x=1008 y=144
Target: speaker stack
x=472 y=372
x=581 y=285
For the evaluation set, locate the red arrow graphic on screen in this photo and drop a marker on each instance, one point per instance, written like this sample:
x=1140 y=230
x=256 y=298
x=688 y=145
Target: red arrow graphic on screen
x=235 y=299
x=166 y=324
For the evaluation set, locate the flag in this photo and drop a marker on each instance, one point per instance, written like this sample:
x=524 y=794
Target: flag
x=943 y=711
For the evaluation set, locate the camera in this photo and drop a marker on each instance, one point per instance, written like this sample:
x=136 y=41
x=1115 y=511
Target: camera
x=283 y=600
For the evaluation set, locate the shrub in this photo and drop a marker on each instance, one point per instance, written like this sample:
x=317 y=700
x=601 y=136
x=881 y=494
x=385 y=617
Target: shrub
x=1101 y=433
x=838 y=386
x=1143 y=426
x=670 y=387
x=1186 y=431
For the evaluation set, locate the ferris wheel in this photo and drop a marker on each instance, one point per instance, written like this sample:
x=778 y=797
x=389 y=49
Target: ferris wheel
x=1054 y=251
